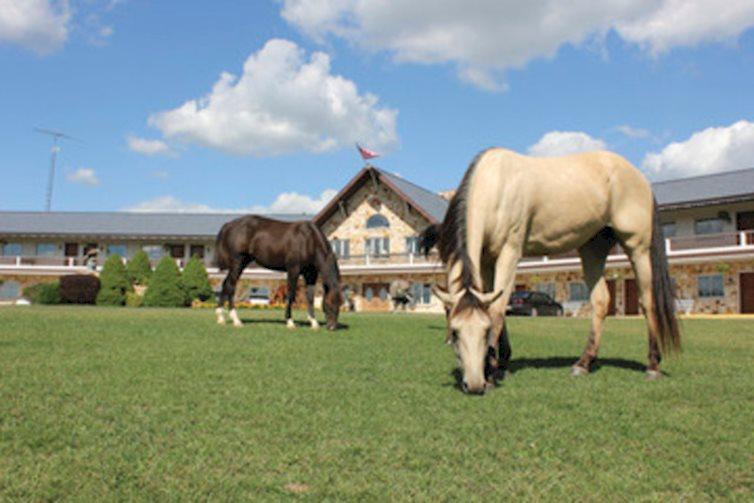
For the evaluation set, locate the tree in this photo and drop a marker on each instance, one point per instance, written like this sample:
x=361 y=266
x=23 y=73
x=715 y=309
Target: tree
x=165 y=287
x=139 y=269
x=196 y=281
x=113 y=283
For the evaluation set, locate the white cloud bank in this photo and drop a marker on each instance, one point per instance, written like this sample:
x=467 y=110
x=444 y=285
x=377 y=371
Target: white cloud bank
x=556 y=143
x=38 y=25
x=84 y=176
x=149 y=147
x=287 y=202
x=707 y=151
x=282 y=103
x=486 y=37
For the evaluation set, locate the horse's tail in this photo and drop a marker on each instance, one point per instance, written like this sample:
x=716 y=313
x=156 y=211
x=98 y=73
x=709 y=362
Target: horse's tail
x=662 y=290
x=428 y=238
x=222 y=254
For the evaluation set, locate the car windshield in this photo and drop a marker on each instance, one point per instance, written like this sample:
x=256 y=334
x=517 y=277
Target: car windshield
x=520 y=295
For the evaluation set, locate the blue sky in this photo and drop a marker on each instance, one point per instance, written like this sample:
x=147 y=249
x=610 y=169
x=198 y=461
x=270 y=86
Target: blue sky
x=429 y=88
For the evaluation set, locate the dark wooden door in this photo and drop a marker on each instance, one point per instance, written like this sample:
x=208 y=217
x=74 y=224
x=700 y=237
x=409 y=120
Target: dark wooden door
x=71 y=249
x=611 y=305
x=745 y=222
x=631 y=299
x=747 y=292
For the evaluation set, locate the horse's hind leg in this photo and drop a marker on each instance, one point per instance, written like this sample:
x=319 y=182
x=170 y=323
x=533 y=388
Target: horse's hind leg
x=229 y=288
x=643 y=269
x=291 y=298
x=593 y=257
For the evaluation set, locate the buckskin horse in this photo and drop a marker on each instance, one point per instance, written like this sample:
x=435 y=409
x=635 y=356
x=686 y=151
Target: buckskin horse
x=297 y=248
x=509 y=206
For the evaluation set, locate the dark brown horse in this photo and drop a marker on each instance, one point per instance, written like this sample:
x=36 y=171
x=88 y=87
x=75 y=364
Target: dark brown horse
x=298 y=248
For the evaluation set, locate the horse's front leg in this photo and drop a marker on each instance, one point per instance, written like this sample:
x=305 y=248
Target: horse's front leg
x=292 y=280
x=310 y=289
x=505 y=275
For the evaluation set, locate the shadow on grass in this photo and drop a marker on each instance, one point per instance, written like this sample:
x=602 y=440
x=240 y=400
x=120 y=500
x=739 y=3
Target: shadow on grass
x=299 y=324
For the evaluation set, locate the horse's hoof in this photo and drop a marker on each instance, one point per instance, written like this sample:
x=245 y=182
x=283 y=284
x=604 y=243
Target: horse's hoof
x=220 y=322
x=237 y=324
x=578 y=371
x=290 y=324
x=653 y=375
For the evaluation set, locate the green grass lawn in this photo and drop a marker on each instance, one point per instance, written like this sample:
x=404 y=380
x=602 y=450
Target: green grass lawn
x=166 y=405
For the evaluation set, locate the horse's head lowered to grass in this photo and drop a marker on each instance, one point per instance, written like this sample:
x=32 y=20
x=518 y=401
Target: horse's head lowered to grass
x=469 y=326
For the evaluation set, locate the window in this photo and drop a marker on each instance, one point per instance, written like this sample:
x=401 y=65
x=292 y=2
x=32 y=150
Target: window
x=383 y=293
x=668 y=229
x=578 y=291
x=177 y=251
x=368 y=293
x=711 y=286
x=12 y=249
x=376 y=221
x=154 y=252
x=46 y=249
x=412 y=245
x=378 y=247
x=197 y=251
x=421 y=293
x=709 y=226
x=547 y=287
x=10 y=290
x=119 y=250
x=341 y=247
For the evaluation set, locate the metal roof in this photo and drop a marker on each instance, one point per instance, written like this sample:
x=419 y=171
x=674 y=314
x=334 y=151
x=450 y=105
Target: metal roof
x=125 y=224
x=432 y=203
x=728 y=186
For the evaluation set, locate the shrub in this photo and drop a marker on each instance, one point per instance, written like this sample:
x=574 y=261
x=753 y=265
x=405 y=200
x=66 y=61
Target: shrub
x=43 y=293
x=133 y=299
x=79 y=288
x=113 y=283
x=139 y=269
x=195 y=280
x=165 y=287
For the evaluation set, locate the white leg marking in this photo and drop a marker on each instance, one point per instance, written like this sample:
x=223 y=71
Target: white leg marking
x=314 y=323
x=234 y=317
x=220 y=317
x=290 y=324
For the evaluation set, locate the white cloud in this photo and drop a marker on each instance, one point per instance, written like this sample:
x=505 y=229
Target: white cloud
x=677 y=23
x=287 y=202
x=557 y=143
x=38 y=25
x=487 y=37
x=632 y=132
x=281 y=104
x=85 y=176
x=707 y=151
x=149 y=147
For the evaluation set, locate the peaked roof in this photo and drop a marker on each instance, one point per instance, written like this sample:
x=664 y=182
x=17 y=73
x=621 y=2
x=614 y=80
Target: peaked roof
x=120 y=223
x=725 y=187
x=430 y=205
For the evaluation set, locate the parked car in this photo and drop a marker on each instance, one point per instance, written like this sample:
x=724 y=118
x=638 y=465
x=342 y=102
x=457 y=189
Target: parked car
x=524 y=303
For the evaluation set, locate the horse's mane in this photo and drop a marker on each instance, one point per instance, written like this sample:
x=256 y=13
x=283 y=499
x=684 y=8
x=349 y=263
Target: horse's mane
x=452 y=238
x=330 y=272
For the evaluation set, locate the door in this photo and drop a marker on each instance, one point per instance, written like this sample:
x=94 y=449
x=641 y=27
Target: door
x=745 y=222
x=611 y=290
x=376 y=297
x=71 y=249
x=631 y=305
x=747 y=292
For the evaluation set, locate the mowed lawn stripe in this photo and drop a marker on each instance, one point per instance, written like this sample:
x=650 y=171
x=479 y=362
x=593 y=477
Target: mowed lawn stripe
x=158 y=403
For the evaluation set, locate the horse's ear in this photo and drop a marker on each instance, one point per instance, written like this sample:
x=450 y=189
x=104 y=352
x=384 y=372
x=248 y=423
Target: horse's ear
x=487 y=298
x=446 y=298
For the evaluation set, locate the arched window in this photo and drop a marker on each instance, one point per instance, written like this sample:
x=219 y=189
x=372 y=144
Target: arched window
x=376 y=221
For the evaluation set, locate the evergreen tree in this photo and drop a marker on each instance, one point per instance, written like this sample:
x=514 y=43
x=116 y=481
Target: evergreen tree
x=139 y=269
x=165 y=287
x=195 y=280
x=113 y=283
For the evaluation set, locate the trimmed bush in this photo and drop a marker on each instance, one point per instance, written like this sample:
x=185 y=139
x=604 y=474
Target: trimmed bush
x=165 y=287
x=113 y=283
x=43 y=293
x=133 y=299
x=139 y=269
x=195 y=280
x=79 y=288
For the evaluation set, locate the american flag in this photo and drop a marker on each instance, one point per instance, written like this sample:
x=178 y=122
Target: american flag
x=366 y=153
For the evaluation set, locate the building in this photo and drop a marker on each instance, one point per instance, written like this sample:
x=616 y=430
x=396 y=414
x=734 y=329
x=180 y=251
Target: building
x=373 y=224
